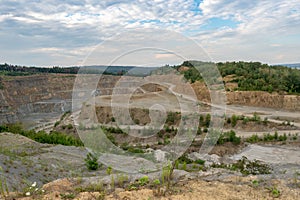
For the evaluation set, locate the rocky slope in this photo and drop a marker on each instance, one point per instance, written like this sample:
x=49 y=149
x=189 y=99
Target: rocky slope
x=26 y=97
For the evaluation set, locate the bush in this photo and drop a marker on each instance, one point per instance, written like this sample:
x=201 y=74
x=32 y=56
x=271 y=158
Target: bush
x=69 y=126
x=207 y=120
x=144 y=180
x=172 y=117
x=234 y=119
x=91 y=162
x=229 y=137
x=253 y=139
x=56 y=123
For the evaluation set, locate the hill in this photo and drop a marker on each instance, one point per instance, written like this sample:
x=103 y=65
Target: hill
x=251 y=76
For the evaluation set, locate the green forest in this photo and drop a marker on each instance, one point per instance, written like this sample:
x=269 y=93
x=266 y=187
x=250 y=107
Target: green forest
x=253 y=76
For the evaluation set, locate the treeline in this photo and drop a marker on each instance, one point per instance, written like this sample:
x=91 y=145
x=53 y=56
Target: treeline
x=15 y=70
x=254 y=76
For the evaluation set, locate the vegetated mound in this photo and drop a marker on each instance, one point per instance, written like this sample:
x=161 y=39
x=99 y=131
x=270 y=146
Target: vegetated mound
x=251 y=83
x=250 y=76
x=25 y=161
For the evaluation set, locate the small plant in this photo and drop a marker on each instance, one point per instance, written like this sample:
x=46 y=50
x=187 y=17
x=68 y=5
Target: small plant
x=156 y=182
x=274 y=192
x=234 y=120
x=255 y=183
x=109 y=170
x=184 y=166
x=91 y=161
x=144 y=180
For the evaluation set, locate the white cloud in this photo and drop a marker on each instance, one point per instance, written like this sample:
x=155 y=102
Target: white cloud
x=61 y=28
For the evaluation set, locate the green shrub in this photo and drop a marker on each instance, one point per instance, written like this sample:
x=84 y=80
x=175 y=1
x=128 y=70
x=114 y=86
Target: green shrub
x=172 y=117
x=234 y=119
x=143 y=181
x=91 y=161
x=228 y=120
x=156 y=182
x=253 y=139
x=56 y=123
x=207 y=120
x=282 y=137
x=184 y=166
x=109 y=170
x=229 y=137
x=136 y=121
x=200 y=162
x=199 y=131
x=185 y=159
x=246 y=120
x=69 y=126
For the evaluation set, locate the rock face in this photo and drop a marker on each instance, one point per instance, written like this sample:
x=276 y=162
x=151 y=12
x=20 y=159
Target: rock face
x=264 y=99
x=22 y=96
x=253 y=98
x=34 y=94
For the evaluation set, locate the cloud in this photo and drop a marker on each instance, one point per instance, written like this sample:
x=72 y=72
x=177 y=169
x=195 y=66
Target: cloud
x=65 y=31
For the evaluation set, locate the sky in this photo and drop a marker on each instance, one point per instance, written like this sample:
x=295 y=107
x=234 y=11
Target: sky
x=66 y=33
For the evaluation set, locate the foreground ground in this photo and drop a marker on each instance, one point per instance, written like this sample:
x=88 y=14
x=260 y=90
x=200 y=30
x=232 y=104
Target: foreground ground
x=232 y=187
